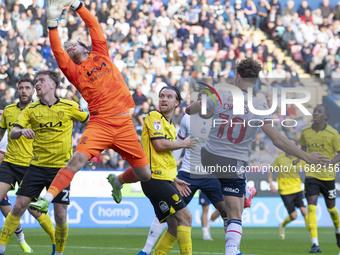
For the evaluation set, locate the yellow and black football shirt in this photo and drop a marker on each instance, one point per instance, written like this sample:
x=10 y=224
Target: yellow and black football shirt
x=52 y=125
x=19 y=151
x=288 y=177
x=325 y=141
x=162 y=163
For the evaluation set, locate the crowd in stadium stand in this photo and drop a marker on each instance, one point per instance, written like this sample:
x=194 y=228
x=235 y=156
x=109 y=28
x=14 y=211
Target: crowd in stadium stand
x=154 y=44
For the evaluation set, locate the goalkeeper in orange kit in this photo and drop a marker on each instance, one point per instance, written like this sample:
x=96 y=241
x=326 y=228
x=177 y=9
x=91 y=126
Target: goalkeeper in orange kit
x=108 y=97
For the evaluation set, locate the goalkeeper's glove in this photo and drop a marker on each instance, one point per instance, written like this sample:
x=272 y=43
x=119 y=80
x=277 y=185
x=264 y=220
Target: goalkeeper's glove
x=75 y=4
x=54 y=10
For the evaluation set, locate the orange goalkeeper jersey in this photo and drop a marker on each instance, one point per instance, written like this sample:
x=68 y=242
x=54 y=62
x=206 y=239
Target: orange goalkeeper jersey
x=97 y=78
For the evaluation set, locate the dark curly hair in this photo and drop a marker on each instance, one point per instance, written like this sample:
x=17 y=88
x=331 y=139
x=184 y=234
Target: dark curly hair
x=249 y=69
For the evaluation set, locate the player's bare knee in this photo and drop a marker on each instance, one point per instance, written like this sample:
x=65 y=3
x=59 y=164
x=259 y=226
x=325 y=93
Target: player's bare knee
x=60 y=213
x=184 y=217
x=77 y=162
x=18 y=210
x=34 y=213
x=143 y=173
x=293 y=215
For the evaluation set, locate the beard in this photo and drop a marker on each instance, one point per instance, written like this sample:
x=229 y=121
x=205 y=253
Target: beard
x=27 y=101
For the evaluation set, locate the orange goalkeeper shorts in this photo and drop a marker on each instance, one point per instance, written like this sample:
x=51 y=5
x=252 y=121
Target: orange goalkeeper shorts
x=119 y=134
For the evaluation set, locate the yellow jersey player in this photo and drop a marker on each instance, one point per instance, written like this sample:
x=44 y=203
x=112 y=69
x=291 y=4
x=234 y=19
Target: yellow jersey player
x=159 y=140
x=17 y=159
x=290 y=190
x=320 y=137
x=49 y=122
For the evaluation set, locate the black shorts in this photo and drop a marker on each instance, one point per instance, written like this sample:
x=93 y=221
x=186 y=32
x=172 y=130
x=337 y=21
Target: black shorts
x=36 y=179
x=293 y=200
x=233 y=178
x=164 y=197
x=11 y=173
x=315 y=186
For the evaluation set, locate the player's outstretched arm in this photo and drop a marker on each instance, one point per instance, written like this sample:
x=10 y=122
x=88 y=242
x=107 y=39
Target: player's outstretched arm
x=93 y=24
x=54 y=10
x=287 y=146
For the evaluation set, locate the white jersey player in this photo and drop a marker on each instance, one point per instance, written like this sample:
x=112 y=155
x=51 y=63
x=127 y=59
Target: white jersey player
x=229 y=140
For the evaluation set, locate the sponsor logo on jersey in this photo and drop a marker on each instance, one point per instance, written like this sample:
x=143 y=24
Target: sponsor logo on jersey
x=50 y=124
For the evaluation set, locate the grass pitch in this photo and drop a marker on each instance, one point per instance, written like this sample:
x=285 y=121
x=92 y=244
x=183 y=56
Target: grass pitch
x=120 y=241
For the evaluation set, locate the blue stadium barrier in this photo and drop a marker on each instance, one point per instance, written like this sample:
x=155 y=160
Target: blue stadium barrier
x=137 y=212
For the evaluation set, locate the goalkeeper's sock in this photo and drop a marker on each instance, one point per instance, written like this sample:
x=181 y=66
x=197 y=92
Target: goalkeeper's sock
x=165 y=244
x=128 y=176
x=46 y=223
x=155 y=231
x=286 y=221
x=60 y=182
x=61 y=234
